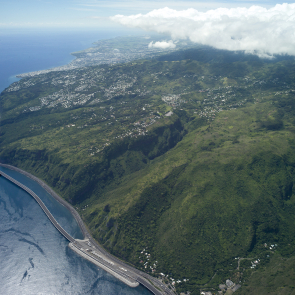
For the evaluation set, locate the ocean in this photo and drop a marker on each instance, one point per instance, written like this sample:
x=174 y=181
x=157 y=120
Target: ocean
x=23 y=51
x=35 y=257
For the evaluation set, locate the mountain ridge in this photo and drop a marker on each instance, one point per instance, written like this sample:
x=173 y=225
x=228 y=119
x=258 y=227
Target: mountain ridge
x=196 y=168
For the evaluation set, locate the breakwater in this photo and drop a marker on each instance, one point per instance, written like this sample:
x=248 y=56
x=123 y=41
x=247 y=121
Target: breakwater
x=88 y=248
x=76 y=245
x=76 y=215
x=42 y=205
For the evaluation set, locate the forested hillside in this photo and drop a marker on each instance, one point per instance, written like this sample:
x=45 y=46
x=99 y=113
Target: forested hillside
x=180 y=165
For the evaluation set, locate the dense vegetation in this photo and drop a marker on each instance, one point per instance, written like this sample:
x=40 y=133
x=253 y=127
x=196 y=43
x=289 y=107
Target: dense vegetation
x=195 y=188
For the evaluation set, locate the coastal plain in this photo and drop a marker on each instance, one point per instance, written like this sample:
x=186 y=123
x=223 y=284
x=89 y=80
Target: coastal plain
x=180 y=164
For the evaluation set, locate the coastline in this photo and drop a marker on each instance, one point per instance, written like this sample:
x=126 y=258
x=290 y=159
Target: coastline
x=69 y=66
x=102 y=266
x=143 y=278
x=149 y=282
x=85 y=232
x=24 y=51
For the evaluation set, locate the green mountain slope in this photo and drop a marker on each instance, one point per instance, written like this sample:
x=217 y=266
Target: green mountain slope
x=177 y=166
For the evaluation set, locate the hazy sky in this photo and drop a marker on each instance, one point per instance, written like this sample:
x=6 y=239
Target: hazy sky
x=95 y=13
x=261 y=27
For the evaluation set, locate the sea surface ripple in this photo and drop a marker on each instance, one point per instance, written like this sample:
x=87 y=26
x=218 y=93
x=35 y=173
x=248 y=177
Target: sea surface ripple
x=35 y=257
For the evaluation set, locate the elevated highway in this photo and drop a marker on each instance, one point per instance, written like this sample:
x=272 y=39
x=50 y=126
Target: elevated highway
x=89 y=248
x=43 y=207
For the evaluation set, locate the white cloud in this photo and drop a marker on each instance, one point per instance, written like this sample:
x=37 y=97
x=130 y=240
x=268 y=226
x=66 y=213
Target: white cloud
x=258 y=30
x=162 y=44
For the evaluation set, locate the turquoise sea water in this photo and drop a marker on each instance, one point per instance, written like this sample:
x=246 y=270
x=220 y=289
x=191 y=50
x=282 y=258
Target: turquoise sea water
x=35 y=257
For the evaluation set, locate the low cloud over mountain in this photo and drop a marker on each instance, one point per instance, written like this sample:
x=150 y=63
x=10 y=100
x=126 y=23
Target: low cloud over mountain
x=162 y=44
x=257 y=30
